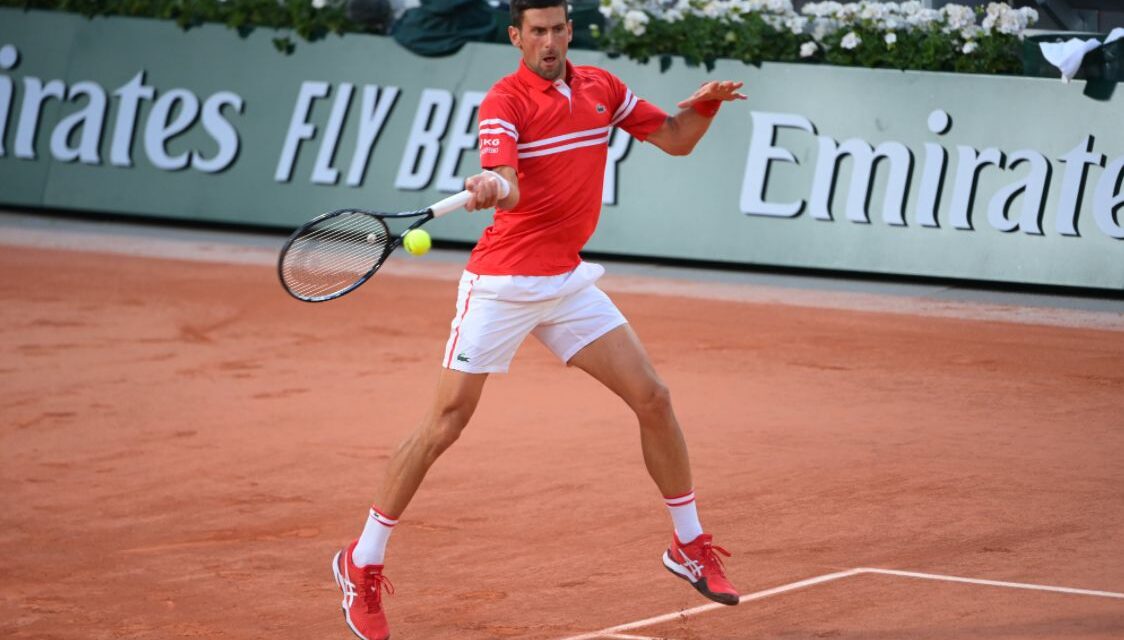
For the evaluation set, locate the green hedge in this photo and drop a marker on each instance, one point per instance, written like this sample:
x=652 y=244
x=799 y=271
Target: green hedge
x=300 y=18
x=861 y=34
x=867 y=34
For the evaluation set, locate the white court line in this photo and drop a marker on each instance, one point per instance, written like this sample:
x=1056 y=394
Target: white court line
x=709 y=607
x=996 y=583
x=611 y=632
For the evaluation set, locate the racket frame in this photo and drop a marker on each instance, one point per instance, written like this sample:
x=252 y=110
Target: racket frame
x=424 y=215
x=436 y=210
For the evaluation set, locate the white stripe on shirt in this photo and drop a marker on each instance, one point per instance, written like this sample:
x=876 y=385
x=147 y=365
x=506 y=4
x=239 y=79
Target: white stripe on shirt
x=498 y=130
x=628 y=107
x=502 y=123
x=624 y=103
x=566 y=147
x=566 y=136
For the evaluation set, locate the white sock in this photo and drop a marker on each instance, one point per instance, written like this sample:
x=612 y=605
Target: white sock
x=685 y=517
x=371 y=548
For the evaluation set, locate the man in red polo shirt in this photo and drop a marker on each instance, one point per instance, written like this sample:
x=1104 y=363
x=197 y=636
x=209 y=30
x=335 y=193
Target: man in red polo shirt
x=544 y=133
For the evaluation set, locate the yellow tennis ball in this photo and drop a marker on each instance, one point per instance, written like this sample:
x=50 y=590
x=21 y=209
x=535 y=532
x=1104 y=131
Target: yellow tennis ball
x=417 y=242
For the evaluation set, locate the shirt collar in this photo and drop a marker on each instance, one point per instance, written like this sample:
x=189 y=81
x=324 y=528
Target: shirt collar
x=536 y=81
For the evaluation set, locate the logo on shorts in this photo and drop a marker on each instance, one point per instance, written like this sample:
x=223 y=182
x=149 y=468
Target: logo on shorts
x=462 y=358
x=600 y=108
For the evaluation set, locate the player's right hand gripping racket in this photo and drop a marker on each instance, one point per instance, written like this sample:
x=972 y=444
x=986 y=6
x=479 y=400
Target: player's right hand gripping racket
x=336 y=252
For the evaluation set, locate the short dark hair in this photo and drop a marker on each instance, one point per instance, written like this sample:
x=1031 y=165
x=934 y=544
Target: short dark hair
x=519 y=6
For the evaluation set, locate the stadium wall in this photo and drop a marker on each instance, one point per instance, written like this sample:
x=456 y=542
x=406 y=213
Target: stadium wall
x=989 y=178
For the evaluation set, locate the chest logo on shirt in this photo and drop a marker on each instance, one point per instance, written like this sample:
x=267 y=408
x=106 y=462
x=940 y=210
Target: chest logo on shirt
x=600 y=108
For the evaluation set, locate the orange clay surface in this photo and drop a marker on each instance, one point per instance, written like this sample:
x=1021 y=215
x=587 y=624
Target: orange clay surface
x=183 y=448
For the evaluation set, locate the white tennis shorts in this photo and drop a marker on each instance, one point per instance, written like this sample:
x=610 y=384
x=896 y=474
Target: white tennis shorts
x=495 y=313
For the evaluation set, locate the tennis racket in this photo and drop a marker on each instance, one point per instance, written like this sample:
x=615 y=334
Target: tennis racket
x=334 y=253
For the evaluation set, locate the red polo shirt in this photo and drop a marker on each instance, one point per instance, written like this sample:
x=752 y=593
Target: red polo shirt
x=556 y=136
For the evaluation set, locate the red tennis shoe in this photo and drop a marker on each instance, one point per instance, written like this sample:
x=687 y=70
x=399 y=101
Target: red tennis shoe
x=698 y=563
x=362 y=595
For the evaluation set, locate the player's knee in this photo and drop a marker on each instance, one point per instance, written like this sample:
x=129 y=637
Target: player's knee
x=446 y=428
x=654 y=401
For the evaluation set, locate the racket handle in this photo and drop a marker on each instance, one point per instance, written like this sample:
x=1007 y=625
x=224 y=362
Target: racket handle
x=452 y=203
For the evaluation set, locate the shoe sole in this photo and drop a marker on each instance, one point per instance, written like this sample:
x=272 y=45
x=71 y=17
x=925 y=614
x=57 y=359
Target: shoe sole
x=339 y=583
x=699 y=585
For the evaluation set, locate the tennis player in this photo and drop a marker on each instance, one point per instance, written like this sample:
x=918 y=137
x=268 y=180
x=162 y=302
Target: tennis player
x=544 y=134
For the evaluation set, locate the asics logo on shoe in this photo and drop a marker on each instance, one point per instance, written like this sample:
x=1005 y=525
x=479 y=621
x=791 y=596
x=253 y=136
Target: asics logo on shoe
x=349 y=592
x=695 y=568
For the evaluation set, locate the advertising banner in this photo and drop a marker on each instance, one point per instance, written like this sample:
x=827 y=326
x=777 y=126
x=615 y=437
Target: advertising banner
x=976 y=177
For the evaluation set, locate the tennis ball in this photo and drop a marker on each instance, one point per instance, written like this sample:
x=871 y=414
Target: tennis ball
x=417 y=242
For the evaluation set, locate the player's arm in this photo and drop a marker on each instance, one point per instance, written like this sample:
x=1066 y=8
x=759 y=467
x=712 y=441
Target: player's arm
x=500 y=117
x=488 y=189
x=679 y=134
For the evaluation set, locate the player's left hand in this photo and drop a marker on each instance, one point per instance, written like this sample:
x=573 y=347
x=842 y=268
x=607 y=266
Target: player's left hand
x=724 y=90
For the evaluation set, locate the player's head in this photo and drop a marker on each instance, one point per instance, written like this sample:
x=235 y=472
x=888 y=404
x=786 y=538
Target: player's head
x=542 y=30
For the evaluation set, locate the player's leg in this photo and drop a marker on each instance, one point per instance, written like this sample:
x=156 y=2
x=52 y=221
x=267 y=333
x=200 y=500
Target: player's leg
x=484 y=336
x=454 y=402
x=359 y=567
x=617 y=359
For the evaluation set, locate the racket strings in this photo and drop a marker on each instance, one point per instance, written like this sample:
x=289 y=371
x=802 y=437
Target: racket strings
x=334 y=254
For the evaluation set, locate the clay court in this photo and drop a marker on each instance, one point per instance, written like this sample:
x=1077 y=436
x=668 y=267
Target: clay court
x=183 y=448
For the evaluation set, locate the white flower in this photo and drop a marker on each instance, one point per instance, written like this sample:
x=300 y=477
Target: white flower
x=814 y=9
x=808 y=49
x=923 y=18
x=714 y=10
x=672 y=15
x=1004 y=19
x=891 y=38
x=636 y=22
x=319 y=4
x=821 y=9
x=890 y=23
x=957 y=16
x=969 y=47
x=614 y=8
x=847 y=12
x=851 y=40
x=872 y=11
x=823 y=28
x=796 y=24
x=775 y=22
x=970 y=32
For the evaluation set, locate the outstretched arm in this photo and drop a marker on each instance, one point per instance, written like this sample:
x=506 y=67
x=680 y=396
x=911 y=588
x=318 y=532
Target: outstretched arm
x=679 y=133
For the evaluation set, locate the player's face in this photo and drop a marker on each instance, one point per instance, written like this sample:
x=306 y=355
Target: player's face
x=544 y=39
